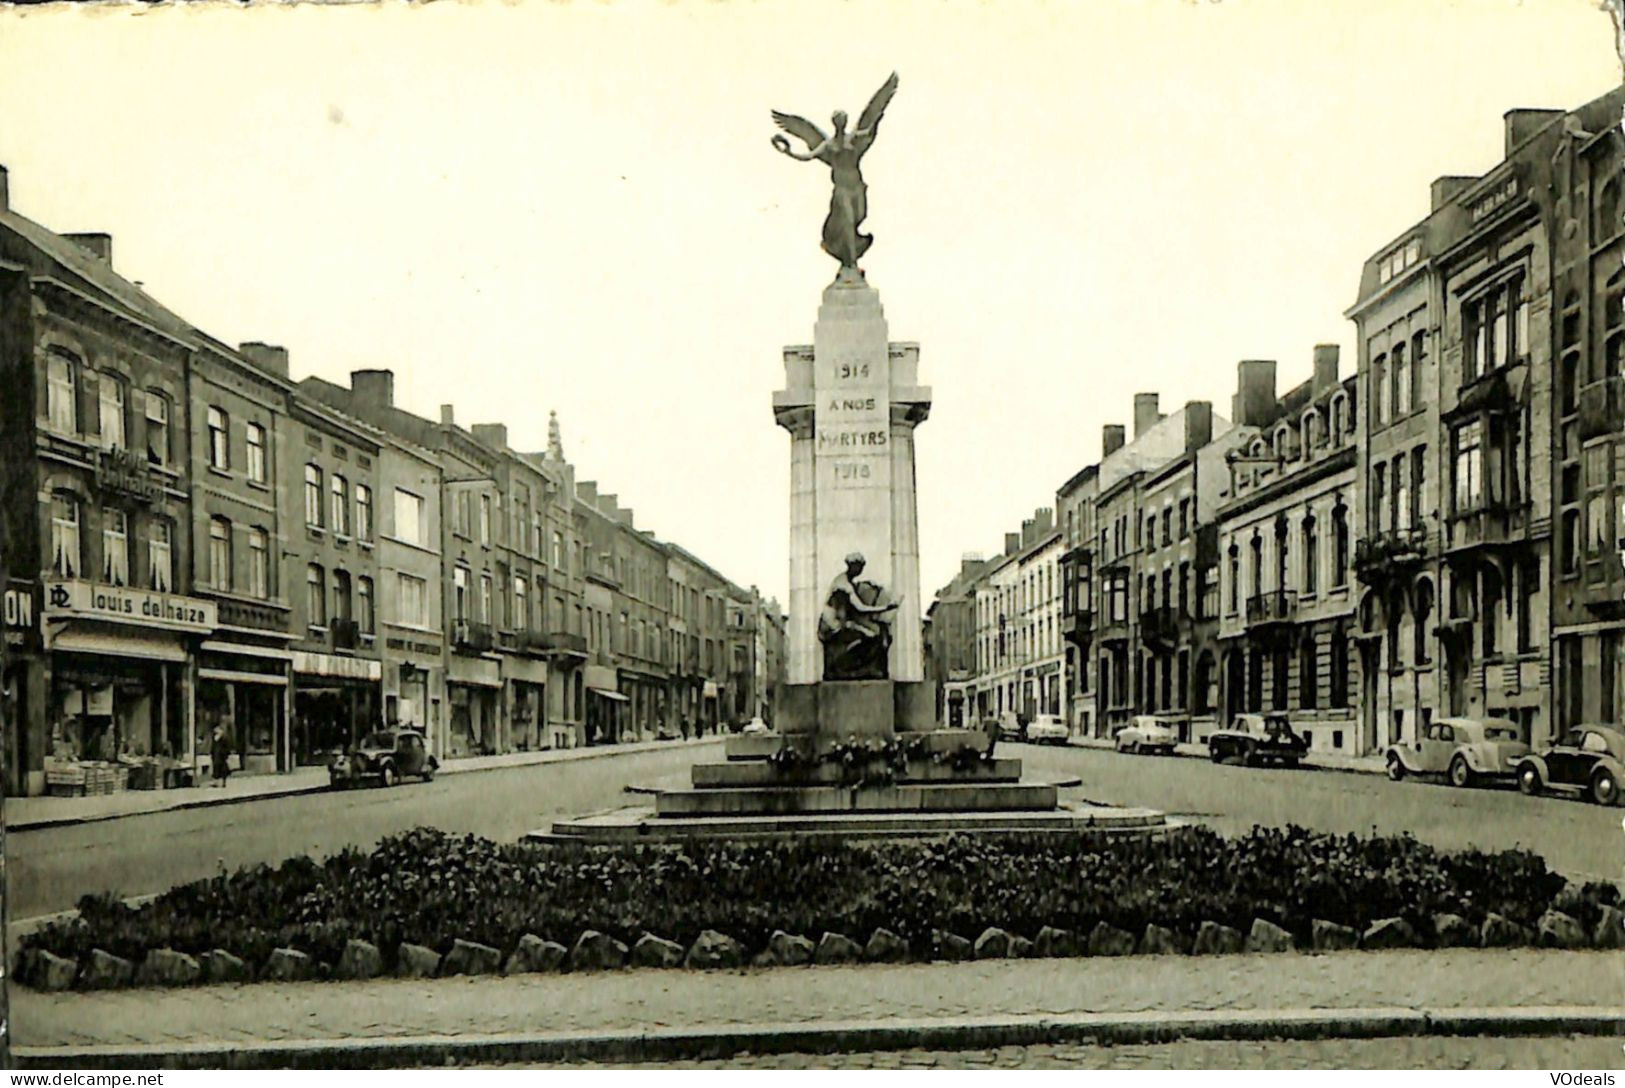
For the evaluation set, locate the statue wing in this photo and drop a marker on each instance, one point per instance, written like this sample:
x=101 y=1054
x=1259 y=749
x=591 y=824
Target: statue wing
x=801 y=128
x=877 y=105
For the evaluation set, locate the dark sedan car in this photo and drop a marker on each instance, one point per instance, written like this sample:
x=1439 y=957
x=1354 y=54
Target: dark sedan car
x=387 y=755
x=1589 y=760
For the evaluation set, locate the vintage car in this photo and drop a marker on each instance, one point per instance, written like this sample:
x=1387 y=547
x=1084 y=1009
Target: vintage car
x=1589 y=760
x=386 y=755
x=1048 y=729
x=1256 y=739
x=1147 y=733
x=1463 y=749
x=1011 y=727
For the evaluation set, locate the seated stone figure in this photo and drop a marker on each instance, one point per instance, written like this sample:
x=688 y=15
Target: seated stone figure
x=855 y=627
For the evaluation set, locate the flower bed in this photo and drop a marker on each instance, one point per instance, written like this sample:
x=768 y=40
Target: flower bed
x=426 y=888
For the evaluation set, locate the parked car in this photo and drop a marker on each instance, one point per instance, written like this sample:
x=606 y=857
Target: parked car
x=1589 y=760
x=387 y=755
x=1147 y=733
x=1255 y=739
x=1048 y=729
x=1011 y=727
x=755 y=728
x=1463 y=749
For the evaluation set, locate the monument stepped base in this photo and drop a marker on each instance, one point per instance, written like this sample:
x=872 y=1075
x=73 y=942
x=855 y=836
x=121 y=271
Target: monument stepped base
x=642 y=825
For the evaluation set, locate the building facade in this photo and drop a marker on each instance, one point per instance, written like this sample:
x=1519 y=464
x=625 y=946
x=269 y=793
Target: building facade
x=1018 y=625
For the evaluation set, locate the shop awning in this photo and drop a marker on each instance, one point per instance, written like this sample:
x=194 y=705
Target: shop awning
x=613 y=696
x=149 y=647
x=214 y=646
x=236 y=676
x=311 y=663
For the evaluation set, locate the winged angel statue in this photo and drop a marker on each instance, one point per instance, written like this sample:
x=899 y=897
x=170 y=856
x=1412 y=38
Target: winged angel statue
x=849 y=203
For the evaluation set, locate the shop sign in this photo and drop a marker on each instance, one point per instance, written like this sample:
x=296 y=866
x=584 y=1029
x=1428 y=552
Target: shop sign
x=122 y=604
x=19 y=607
x=344 y=668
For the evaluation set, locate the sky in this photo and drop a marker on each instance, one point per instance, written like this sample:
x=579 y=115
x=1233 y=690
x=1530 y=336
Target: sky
x=532 y=206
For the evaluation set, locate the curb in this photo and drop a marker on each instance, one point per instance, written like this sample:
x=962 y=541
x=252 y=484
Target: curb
x=1309 y=763
x=594 y=752
x=834 y=1037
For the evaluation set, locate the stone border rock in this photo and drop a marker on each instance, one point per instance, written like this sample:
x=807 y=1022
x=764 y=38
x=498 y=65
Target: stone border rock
x=712 y=950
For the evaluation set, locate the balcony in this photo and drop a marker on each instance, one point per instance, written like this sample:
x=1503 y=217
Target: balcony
x=553 y=644
x=1161 y=626
x=253 y=615
x=1602 y=407
x=1494 y=524
x=125 y=473
x=1386 y=555
x=1113 y=631
x=1078 y=627
x=1274 y=609
x=346 y=634
x=475 y=637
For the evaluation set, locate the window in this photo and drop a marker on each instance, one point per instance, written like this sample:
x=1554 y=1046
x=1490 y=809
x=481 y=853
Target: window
x=157 y=428
x=62 y=394
x=364 y=610
x=1340 y=547
x=219 y=440
x=1311 y=555
x=1167 y=526
x=1599 y=540
x=413 y=596
x=341 y=596
x=459 y=593
x=521 y=604
x=313 y=496
x=1379 y=390
x=1340 y=668
x=340 y=488
x=1469 y=467
x=363 y=512
x=1418 y=478
x=485 y=519
x=1308 y=673
x=255 y=435
x=1419 y=354
x=220 y=552
x=408 y=517
x=1379 y=492
x=115 y=547
x=316 y=595
x=1419 y=627
x=1571 y=541
x=110 y=411
x=487 y=605
x=1402 y=493
x=65 y=549
x=1402 y=381
x=558 y=551
x=160 y=557
x=1235 y=577
x=259 y=563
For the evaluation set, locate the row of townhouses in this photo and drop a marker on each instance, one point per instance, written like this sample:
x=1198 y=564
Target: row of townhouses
x=192 y=539
x=1440 y=533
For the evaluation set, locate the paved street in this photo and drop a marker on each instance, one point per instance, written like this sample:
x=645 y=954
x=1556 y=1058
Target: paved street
x=1576 y=838
x=1582 y=1052
x=639 y=1000
x=52 y=867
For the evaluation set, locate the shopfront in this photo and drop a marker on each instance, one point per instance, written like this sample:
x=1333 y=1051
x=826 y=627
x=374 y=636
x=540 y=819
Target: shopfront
x=336 y=701
x=527 y=703
x=414 y=689
x=474 y=691
x=244 y=690
x=117 y=683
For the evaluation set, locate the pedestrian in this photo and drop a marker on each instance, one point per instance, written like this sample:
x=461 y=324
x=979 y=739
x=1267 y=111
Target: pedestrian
x=220 y=755
x=686 y=728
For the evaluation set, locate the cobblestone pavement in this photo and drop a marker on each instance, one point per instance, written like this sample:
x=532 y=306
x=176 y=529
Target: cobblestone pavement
x=638 y=1000
x=1582 y=1052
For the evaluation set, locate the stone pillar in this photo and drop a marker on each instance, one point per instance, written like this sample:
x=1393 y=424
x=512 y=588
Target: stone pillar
x=801 y=635
x=907 y=649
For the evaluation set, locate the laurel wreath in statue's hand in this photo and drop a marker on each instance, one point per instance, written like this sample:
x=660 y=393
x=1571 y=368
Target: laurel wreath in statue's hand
x=781 y=144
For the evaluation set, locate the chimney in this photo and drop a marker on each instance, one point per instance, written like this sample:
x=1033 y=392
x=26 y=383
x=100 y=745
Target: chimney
x=1045 y=518
x=1524 y=123
x=587 y=492
x=1254 y=402
x=1444 y=189
x=374 y=386
x=555 y=443
x=1029 y=531
x=97 y=245
x=1325 y=367
x=1111 y=439
x=624 y=516
x=1198 y=424
x=609 y=504
x=1145 y=413
x=268 y=357
x=448 y=416
x=5 y=190
x=1012 y=543
x=492 y=434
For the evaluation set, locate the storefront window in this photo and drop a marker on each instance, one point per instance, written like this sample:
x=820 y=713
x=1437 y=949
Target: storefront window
x=115 y=547
x=105 y=708
x=65 y=550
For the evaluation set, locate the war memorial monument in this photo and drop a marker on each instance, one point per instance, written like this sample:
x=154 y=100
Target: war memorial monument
x=858 y=751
